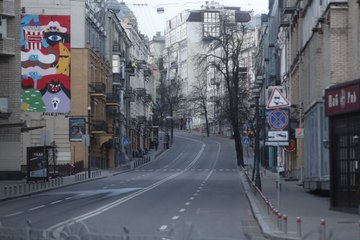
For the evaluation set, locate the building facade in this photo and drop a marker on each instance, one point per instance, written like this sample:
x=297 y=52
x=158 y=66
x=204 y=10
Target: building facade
x=11 y=123
x=317 y=58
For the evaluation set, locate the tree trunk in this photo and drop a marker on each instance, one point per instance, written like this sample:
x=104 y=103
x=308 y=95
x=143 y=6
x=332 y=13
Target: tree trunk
x=238 y=147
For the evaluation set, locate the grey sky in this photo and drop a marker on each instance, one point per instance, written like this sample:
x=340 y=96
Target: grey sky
x=150 y=21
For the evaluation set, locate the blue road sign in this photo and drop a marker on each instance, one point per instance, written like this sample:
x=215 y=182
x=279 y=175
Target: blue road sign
x=278 y=119
x=246 y=140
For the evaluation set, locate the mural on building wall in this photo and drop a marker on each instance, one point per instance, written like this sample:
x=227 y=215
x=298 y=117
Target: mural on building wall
x=45 y=63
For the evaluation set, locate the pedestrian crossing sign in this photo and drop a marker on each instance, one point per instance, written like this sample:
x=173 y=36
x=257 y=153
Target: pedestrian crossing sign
x=246 y=140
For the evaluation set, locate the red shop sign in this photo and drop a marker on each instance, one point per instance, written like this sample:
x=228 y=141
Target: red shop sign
x=342 y=99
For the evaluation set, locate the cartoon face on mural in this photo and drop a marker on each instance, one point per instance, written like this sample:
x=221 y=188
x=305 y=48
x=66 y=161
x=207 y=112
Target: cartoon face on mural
x=45 y=63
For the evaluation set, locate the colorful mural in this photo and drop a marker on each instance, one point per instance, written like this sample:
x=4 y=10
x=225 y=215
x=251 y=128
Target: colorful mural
x=45 y=63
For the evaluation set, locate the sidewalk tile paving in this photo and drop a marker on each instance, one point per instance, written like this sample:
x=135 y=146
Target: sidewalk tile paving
x=295 y=201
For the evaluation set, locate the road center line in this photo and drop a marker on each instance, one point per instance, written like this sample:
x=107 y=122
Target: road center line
x=182 y=210
x=68 y=198
x=163 y=227
x=55 y=202
x=13 y=214
x=58 y=227
x=34 y=208
x=175 y=217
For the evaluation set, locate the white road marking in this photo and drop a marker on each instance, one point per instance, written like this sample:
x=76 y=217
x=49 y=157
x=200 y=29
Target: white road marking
x=13 y=214
x=163 y=227
x=192 y=198
x=197 y=191
x=57 y=228
x=105 y=187
x=195 y=194
x=182 y=210
x=55 y=202
x=175 y=217
x=187 y=203
x=34 y=208
x=112 y=185
x=68 y=198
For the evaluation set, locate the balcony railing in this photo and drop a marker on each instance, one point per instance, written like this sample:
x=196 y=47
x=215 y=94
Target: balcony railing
x=99 y=126
x=97 y=89
x=214 y=81
x=7 y=8
x=112 y=99
x=7 y=45
x=130 y=94
x=118 y=79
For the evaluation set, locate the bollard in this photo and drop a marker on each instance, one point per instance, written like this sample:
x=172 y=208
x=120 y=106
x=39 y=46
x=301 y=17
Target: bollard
x=322 y=229
x=285 y=223
x=280 y=221
x=268 y=207
x=5 y=190
x=15 y=190
x=20 y=189
x=298 y=223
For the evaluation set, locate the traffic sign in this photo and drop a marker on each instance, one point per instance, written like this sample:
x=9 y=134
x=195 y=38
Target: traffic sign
x=299 y=133
x=277 y=99
x=246 y=140
x=278 y=136
x=278 y=119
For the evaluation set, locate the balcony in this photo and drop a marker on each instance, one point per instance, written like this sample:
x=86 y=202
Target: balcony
x=7 y=46
x=112 y=99
x=140 y=92
x=97 y=89
x=214 y=81
x=118 y=79
x=98 y=127
x=141 y=119
x=116 y=48
x=147 y=98
x=130 y=94
x=7 y=8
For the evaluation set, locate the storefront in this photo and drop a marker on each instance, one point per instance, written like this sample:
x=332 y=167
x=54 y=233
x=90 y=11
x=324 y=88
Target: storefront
x=343 y=110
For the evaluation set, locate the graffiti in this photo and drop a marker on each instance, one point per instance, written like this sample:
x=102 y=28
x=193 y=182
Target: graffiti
x=45 y=63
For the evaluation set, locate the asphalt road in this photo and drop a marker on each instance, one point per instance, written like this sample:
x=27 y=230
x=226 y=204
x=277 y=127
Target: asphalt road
x=193 y=189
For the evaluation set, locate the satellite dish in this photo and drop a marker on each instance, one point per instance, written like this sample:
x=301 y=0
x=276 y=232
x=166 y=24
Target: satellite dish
x=160 y=10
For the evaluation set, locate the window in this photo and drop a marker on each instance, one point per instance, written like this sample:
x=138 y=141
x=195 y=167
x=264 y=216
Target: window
x=4 y=104
x=211 y=24
x=3 y=26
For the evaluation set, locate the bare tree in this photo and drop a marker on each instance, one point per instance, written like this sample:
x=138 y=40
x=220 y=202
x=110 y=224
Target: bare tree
x=224 y=53
x=199 y=99
x=171 y=97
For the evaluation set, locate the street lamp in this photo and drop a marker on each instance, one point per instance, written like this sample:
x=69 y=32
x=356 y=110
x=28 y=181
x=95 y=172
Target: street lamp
x=89 y=129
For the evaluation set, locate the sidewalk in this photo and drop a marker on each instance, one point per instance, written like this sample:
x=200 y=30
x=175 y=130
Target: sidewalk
x=296 y=202
x=19 y=188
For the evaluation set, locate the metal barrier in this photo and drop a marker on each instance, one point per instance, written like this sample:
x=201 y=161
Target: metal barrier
x=30 y=187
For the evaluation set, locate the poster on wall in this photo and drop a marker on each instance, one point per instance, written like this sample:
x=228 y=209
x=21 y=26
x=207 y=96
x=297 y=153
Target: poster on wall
x=37 y=163
x=76 y=129
x=45 y=63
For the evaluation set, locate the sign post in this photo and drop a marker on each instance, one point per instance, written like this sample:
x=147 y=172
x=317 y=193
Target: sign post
x=277 y=115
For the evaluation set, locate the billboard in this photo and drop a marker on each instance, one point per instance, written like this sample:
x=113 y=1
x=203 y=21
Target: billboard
x=37 y=163
x=76 y=129
x=45 y=63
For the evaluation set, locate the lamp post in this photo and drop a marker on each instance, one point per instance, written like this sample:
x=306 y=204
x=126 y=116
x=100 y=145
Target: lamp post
x=88 y=146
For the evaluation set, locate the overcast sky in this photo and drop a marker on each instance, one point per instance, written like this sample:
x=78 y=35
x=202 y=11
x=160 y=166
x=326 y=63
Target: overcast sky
x=150 y=21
